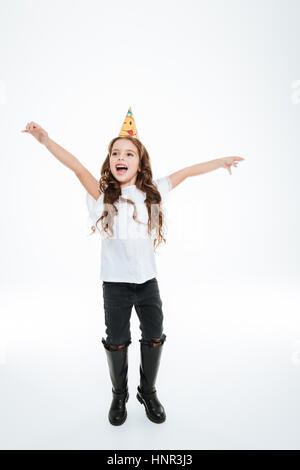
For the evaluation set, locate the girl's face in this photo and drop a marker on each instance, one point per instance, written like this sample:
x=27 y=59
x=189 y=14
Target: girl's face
x=124 y=154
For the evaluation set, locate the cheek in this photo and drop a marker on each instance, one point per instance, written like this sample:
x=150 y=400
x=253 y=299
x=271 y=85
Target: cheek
x=136 y=165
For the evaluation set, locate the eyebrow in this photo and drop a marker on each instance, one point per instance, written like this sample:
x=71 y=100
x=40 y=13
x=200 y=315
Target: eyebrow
x=129 y=150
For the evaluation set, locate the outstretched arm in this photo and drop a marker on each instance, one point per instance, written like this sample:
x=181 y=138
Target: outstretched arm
x=201 y=168
x=85 y=177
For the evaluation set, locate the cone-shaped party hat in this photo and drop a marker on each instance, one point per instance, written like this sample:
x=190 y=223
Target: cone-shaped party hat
x=128 y=127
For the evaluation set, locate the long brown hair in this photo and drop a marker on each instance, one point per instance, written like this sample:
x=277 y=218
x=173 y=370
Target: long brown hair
x=112 y=192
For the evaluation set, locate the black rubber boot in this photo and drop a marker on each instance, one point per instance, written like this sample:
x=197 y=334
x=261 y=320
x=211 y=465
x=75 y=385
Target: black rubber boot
x=146 y=395
x=118 y=370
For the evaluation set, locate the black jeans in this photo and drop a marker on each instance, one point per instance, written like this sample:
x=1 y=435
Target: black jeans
x=119 y=298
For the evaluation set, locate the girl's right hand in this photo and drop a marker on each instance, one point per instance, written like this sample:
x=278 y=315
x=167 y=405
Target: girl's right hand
x=37 y=131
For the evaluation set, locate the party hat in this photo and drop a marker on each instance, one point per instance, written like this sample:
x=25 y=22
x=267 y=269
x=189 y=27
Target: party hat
x=128 y=127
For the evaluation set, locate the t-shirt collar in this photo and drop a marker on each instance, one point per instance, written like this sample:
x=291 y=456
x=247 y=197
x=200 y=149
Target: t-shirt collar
x=128 y=187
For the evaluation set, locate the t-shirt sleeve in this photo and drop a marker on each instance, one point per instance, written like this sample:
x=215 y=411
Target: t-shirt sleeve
x=164 y=186
x=95 y=207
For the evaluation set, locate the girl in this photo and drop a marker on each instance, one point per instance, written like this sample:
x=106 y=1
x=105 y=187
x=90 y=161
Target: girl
x=128 y=268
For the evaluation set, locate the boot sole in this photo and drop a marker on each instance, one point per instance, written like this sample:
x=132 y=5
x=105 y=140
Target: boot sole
x=140 y=399
x=124 y=419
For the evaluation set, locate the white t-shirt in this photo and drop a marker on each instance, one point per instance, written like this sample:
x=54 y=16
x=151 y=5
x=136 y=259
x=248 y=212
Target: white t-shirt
x=128 y=256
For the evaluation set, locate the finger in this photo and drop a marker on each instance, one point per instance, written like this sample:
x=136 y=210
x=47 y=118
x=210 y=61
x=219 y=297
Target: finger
x=29 y=126
x=25 y=130
x=33 y=125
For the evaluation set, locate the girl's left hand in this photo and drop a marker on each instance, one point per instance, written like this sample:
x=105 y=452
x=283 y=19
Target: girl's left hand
x=226 y=162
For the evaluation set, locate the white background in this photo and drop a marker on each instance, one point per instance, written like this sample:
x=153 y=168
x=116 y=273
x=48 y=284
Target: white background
x=205 y=79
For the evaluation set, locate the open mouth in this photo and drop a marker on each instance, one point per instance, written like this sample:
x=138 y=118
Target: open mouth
x=121 y=169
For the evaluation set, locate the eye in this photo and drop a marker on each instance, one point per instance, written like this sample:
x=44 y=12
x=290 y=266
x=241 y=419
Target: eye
x=128 y=153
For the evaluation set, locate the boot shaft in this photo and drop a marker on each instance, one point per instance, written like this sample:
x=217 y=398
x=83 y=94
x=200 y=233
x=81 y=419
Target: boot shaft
x=118 y=367
x=149 y=365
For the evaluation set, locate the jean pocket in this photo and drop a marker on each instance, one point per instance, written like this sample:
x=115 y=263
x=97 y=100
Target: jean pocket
x=153 y=284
